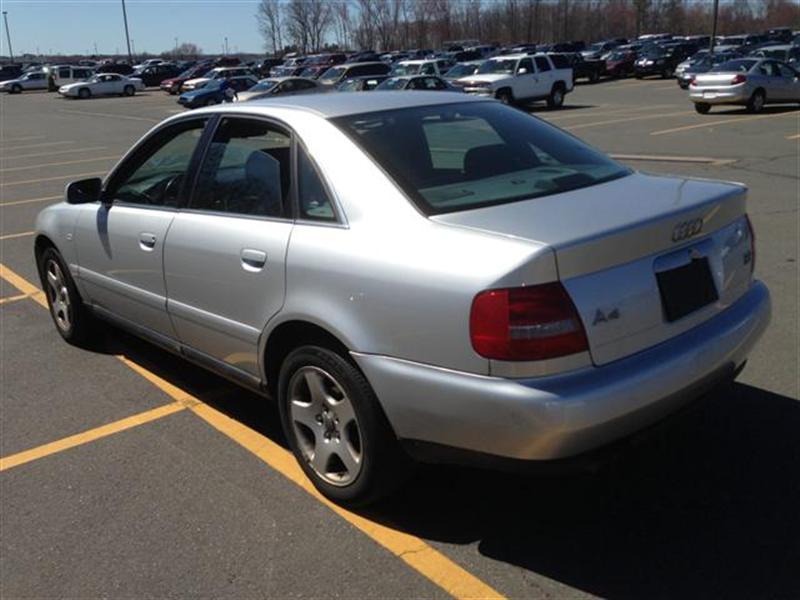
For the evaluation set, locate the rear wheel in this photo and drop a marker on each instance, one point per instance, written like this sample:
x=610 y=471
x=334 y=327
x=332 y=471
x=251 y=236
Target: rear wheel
x=16 y=89
x=71 y=317
x=337 y=429
x=211 y=102
x=84 y=93
x=594 y=77
x=129 y=90
x=667 y=73
x=757 y=101
x=702 y=108
x=556 y=97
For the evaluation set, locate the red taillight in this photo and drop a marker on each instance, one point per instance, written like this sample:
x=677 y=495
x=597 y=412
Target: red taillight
x=738 y=79
x=693 y=81
x=752 y=244
x=526 y=323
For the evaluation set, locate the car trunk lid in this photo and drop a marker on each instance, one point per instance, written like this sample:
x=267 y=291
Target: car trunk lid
x=628 y=249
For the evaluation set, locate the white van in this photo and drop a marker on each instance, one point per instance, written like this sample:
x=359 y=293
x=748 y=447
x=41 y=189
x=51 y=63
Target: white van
x=64 y=74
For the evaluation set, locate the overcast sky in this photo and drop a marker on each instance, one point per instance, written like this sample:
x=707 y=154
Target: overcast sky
x=68 y=26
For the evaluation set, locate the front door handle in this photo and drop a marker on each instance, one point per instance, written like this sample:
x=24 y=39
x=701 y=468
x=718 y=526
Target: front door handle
x=147 y=241
x=253 y=260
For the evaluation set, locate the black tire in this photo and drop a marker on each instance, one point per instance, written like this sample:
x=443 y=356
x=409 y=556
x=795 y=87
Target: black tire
x=129 y=90
x=210 y=102
x=16 y=89
x=505 y=96
x=84 y=93
x=383 y=466
x=79 y=326
x=594 y=77
x=702 y=108
x=556 y=98
x=638 y=76
x=757 y=101
x=666 y=73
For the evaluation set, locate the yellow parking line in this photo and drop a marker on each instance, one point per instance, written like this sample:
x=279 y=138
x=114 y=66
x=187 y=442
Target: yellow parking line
x=112 y=116
x=73 y=176
x=415 y=552
x=20 y=458
x=710 y=123
x=21 y=139
x=38 y=154
x=23 y=285
x=59 y=164
x=626 y=120
x=11 y=236
x=31 y=200
x=585 y=114
x=793 y=137
x=9 y=299
x=39 y=145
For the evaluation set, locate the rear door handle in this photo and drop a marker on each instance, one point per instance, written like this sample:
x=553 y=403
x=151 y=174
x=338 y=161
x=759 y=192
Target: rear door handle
x=147 y=241
x=253 y=260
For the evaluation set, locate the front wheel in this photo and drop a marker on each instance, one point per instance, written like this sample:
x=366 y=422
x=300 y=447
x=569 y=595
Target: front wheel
x=84 y=93
x=71 y=317
x=129 y=90
x=16 y=89
x=702 y=108
x=594 y=77
x=556 y=98
x=506 y=97
x=337 y=429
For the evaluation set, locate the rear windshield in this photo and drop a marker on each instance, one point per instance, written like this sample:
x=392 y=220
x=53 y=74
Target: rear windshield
x=737 y=66
x=406 y=69
x=456 y=157
x=332 y=74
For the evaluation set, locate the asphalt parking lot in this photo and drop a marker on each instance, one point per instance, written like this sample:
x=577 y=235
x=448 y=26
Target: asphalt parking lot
x=127 y=472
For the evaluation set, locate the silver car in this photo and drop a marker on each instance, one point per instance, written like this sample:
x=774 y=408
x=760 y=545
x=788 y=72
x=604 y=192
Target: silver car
x=412 y=275
x=750 y=82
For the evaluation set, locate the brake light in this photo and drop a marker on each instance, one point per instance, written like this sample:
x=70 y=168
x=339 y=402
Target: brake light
x=693 y=81
x=526 y=323
x=752 y=244
x=738 y=79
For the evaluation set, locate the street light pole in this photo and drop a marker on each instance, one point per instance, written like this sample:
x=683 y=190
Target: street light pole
x=8 y=36
x=127 y=35
x=713 y=41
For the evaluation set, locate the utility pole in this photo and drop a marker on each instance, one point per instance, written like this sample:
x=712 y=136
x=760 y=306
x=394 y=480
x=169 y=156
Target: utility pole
x=8 y=36
x=713 y=41
x=127 y=35
x=176 y=47
x=226 y=45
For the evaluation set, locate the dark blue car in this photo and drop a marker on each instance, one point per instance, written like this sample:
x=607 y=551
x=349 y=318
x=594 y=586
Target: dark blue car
x=213 y=93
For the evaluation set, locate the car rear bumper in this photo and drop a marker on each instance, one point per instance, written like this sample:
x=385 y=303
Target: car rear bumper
x=565 y=415
x=731 y=95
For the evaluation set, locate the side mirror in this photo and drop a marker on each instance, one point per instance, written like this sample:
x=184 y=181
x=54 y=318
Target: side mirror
x=522 y=71
x=84 y=191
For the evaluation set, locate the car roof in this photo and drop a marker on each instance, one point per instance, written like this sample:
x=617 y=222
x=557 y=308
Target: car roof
x=340 y=105
x=511 y=56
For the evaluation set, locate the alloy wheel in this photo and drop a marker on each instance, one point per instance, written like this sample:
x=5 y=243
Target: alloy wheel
x=325 y=426
x=58 y=294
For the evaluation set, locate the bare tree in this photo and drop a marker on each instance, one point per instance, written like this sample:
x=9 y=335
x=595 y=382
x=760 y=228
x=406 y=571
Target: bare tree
x=270 y=23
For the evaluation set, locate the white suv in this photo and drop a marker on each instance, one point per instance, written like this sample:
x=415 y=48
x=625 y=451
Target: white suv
x=520 y=77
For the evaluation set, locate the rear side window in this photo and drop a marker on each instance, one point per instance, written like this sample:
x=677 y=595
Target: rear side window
x=63 y=72
x=246 y=170
x=315 y=203
x=542 y=64
x=462 y=156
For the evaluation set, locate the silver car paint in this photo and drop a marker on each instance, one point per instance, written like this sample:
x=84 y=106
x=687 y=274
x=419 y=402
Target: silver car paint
x=396 y=288
x=714 y=87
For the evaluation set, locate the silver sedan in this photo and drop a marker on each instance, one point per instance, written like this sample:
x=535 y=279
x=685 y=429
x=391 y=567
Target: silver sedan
x=412 y=275
x=750 y=82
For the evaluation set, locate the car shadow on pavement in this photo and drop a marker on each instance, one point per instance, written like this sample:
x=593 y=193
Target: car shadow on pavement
x=709 y=507
x=723 y=110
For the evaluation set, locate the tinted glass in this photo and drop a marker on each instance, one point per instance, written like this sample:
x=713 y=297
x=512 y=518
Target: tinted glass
x=315 y=204
x=246 y=170
x=738 y=66
x=498 y=66
x=332 y=74
x=393 y=83
x=462 y=156
x=542 y=64
x=154 y=175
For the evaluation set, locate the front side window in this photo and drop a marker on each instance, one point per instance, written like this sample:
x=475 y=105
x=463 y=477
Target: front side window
x=462 y=156
x=246 y=170
x=498 y=66
x=154 y=174
x=64 y=72
x=525 y=64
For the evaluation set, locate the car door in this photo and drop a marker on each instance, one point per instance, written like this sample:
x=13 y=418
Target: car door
x=544 y=72
x=525 y=79
x=120 y=242
x=792 y=78
x=225 y=252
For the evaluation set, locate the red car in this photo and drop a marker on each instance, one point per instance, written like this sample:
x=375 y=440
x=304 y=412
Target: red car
x=620 y=63
x=173 y=84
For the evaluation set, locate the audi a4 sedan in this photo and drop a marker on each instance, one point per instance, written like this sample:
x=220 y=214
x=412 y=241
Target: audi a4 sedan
x=412 y=275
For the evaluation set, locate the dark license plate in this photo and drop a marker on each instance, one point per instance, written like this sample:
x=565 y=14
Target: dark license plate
x=686 y=289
